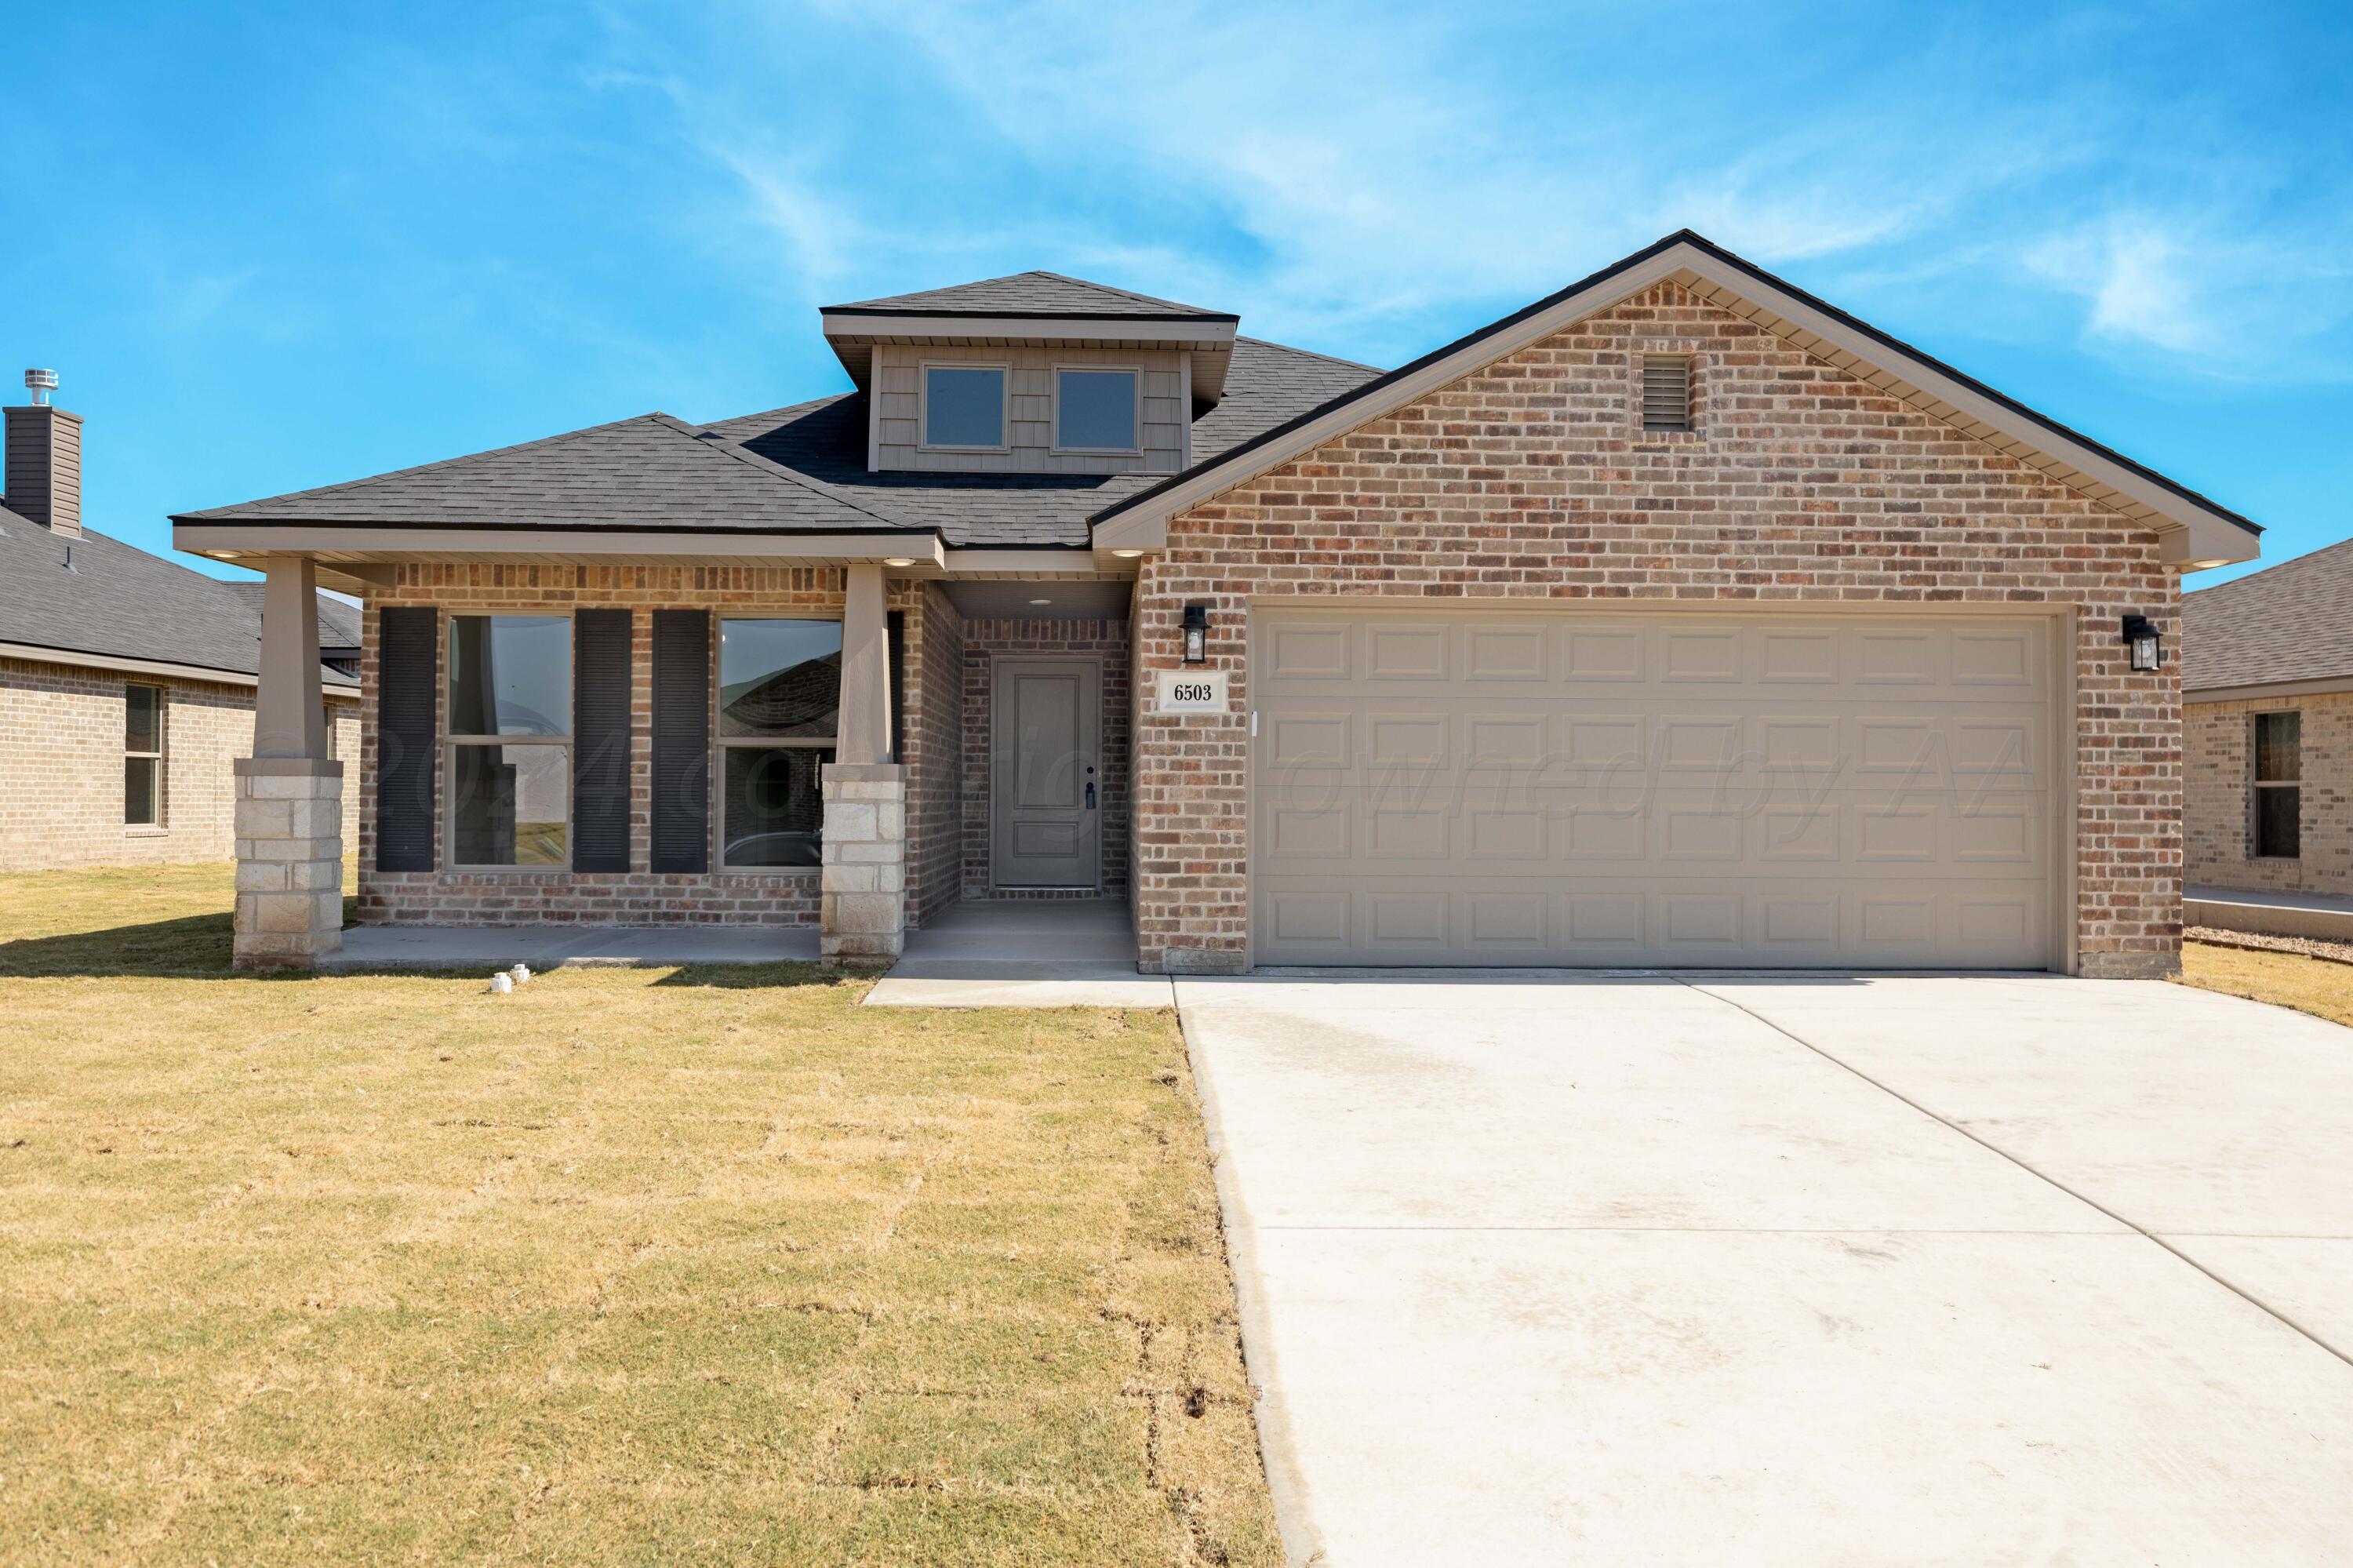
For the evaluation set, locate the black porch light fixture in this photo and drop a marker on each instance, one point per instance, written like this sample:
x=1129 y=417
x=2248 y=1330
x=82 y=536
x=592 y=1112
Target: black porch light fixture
x=2142 y=638
x=1197 y=634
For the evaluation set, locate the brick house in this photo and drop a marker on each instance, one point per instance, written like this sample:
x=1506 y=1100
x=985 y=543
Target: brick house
x=1678 y=618
x=127 y=682
x=2267 y=721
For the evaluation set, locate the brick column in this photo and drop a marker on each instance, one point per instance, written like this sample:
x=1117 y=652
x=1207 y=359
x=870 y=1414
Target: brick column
x=862 y=903
x=290 y=861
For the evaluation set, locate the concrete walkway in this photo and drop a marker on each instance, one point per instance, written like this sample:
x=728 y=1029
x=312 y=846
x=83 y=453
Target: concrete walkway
x=1793 y=1271
x=484 y=948
x=1017 y=952
x=2328 y=915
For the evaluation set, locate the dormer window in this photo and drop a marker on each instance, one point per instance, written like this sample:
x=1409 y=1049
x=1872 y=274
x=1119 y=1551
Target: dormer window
x=964 y=407
x=1095 y=411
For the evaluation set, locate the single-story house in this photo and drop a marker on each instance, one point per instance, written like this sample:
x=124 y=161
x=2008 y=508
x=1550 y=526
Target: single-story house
x=127 y=682
x=2267 y=711
x=1676 y=618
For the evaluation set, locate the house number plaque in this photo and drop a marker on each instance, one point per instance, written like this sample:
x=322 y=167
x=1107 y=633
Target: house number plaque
x=1192 y=690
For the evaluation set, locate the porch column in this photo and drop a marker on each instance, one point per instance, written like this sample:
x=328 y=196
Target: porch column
x=290 y=797
x=862 y=898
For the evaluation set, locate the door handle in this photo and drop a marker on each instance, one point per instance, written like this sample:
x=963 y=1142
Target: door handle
x=1090 y=794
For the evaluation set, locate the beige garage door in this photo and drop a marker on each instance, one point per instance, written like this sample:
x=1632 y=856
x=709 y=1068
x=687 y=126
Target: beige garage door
x=1627 y=788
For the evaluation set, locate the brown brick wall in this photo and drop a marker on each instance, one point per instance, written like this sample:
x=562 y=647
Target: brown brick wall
x=1104 y=640
x=2217 y=739
x=1532 y=479
x=519 y=897
x=933 y=749
x=61 y=769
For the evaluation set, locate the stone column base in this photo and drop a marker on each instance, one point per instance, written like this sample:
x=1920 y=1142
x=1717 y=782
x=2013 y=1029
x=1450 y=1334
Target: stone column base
x=290 y=861
x=862 y=898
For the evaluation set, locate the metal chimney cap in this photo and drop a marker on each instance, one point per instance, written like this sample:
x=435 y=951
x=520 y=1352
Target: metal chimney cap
x=40 y=383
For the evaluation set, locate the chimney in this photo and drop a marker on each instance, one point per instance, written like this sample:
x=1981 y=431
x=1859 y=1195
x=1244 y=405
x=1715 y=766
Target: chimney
x=42 y=478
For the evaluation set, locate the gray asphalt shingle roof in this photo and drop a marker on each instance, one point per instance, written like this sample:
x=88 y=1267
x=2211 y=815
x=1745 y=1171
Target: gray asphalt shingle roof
x=826 y=438
x=800 y=469
x=2289 y=623
x=120 y=601
x=1031 y=294
x=649 y=471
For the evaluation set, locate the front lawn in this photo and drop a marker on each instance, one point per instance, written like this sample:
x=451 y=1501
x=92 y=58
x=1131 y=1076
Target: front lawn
x=630 y=1267
x=2290 y=979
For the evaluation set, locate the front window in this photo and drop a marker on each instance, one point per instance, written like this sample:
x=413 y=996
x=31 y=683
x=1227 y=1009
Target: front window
x=510 y=740
x=1094 y=410
x=779 y=707
x=143 y=756
x=2279 y=786
x=964 y=406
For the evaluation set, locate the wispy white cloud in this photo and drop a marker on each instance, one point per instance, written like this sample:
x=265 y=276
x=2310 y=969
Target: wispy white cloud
x=1366 y=171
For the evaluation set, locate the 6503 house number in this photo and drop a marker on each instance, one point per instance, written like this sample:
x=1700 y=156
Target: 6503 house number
x=1192 y=692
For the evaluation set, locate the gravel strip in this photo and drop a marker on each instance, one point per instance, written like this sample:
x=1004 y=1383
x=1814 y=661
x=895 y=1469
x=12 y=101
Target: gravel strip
x=2310 y=946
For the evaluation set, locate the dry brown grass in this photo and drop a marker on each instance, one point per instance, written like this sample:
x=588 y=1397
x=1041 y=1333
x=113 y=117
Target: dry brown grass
x=2290 y=979
x=631 y=1267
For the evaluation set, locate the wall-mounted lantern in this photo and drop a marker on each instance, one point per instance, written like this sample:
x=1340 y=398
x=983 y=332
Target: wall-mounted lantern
x=1197 y=634
x=2142 y=638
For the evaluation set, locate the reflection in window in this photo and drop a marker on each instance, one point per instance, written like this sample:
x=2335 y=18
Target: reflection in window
x=143 y=756
x=509 y=779
x=962 y=406
x=773 y=814
x=510 y=674
x=779 y=704
x=1094 y=410
x=2279 y=786
x=779 y=678
x=510 y=805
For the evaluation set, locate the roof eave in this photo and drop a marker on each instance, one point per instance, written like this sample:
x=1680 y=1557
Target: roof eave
x=2195 y=533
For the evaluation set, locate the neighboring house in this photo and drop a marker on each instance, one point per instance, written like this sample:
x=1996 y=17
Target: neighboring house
x=126 y=683
x=2267 y=711
x=1678 y=618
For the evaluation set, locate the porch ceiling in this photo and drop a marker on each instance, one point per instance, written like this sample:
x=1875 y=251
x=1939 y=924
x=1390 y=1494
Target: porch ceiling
x=998 y=600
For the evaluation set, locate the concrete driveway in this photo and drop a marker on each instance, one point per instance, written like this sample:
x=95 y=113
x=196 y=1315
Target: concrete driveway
x=1804 y=1271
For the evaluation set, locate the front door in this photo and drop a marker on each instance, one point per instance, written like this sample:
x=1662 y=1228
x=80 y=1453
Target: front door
x=1045 y=716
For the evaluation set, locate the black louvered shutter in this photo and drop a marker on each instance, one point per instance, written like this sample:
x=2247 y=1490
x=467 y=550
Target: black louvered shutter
x=894 y=639
x=600 y=740
x=404 y=736
x=682 y=740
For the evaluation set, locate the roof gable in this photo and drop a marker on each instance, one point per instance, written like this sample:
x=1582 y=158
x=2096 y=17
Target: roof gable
x=2196 y=529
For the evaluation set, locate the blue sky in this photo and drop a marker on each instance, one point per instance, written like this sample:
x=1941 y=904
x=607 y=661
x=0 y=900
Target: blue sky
x=276 y=245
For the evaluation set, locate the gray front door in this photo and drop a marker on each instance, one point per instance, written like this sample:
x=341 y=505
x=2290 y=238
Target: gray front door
x=1044 y=773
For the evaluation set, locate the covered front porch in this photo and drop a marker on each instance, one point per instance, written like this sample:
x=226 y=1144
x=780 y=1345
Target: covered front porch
x=645 y=761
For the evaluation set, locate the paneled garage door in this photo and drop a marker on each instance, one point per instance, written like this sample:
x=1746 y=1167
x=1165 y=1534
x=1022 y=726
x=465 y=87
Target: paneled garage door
x=1632 y=788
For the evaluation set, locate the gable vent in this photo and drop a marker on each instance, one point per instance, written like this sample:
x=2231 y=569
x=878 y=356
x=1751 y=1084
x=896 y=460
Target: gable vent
x=1666 y=392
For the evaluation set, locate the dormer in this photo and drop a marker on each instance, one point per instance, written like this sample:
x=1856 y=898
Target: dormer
x=1032 y=373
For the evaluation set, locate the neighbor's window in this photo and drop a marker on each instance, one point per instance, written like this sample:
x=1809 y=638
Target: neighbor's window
x=964 y=406
x=2279 y=785
x=779 y=707
x=510 y=740
x=1094 y=410
x=143 y=756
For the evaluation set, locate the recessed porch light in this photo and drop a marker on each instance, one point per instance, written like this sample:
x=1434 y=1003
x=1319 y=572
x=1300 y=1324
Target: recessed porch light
x=1041 y=601
x=1127 y=554
x=898 y=560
